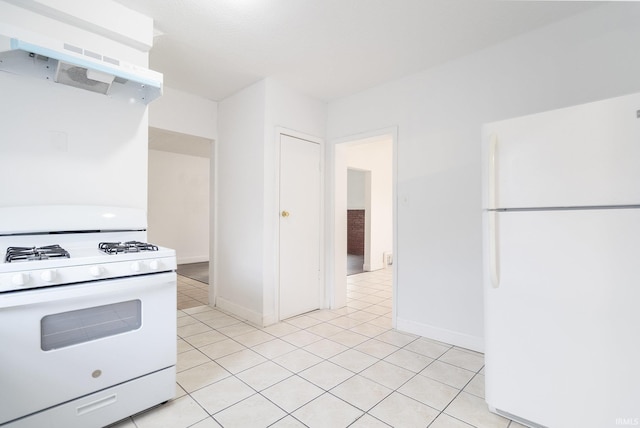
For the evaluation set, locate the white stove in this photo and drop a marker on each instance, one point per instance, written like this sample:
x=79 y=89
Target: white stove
x=87 y=316
x=86 y=262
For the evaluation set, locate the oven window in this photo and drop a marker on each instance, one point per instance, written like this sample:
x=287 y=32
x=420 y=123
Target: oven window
x=84 y=325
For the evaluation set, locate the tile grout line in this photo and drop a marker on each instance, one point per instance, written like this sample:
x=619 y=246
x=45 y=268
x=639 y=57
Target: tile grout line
x=454 y=398
x=324 y=359
x=380 y=311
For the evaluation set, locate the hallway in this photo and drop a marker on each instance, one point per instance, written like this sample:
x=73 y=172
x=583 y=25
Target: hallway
x=193 y=285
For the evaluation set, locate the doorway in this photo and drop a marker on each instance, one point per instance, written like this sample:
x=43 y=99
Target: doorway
x=358 y=186
x=178 y=209
x=374 y=155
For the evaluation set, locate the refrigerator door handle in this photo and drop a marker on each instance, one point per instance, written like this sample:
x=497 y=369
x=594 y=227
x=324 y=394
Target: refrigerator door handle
x=494 y=250
x=493 y=183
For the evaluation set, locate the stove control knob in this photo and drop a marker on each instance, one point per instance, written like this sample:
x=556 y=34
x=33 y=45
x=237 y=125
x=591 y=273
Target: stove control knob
x=154 y=265
x=135 y=266
x=20 y=278
x=96 y=271
x=48 y=275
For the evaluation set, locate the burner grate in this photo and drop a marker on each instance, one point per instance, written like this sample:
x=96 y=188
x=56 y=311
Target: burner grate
x=15 y=254
x=125 y=247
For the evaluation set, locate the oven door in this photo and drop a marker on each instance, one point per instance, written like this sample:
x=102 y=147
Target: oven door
x=61 y=343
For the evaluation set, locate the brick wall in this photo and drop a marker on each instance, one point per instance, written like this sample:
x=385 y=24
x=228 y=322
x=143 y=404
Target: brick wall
x=355 y=232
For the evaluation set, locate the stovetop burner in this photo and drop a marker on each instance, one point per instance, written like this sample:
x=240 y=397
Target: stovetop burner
x=126 y=247
x=15 y=254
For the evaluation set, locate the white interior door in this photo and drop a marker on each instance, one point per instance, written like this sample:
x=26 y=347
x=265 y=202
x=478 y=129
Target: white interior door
x=300 y=289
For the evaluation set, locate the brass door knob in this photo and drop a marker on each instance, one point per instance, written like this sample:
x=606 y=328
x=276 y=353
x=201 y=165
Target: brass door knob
x=285 y=213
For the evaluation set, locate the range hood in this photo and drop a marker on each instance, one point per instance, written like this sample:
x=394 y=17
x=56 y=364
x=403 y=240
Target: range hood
x=76 y=66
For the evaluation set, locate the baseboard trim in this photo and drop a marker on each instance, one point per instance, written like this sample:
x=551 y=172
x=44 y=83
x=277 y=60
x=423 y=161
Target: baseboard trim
x=239 y=311
x=371 y=268
x=462 y=340
x=269 y=319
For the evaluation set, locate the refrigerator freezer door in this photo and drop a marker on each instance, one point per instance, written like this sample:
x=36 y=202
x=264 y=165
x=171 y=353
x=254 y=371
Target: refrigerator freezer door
x=562 y=327
x=587 y=155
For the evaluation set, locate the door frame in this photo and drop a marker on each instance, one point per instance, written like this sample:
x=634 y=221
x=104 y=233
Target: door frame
x=335 y=256
x=276 y=219
x=213 y=224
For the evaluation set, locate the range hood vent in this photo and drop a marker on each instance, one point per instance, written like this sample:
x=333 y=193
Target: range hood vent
x=80 y=77
x=81 y=68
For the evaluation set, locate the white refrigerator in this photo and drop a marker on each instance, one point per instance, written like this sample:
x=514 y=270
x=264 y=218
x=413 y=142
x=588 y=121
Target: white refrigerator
x=561 y=249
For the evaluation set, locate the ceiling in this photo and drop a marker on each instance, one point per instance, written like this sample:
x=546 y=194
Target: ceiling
x=326 y=48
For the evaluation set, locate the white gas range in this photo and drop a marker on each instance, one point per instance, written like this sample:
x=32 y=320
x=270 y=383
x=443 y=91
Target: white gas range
x=87 y=316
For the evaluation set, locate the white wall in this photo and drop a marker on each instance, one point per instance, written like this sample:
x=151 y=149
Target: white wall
x=185 y=113
x=239 y=235
x=246 y=202
x=355 y=189
x=439 y=114
x=70 y=146
x=376 y=157
x=183 y=128
x=178 y=213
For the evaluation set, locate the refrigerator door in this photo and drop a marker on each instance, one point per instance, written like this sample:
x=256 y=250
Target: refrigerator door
x=587 y=155
x=562 y=325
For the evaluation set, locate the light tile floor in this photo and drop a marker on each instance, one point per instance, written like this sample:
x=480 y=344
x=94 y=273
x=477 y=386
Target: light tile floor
x=328 y=368
x=192 y=293
x=355 y=263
